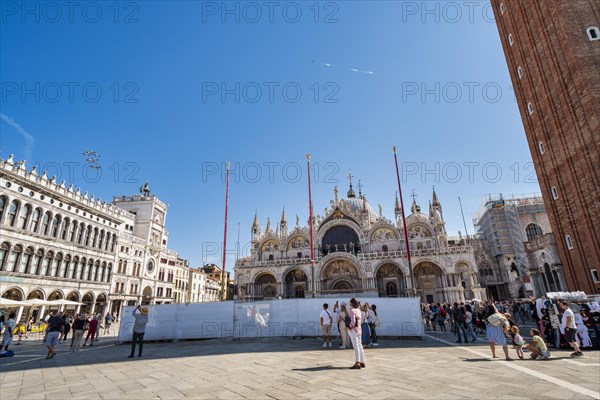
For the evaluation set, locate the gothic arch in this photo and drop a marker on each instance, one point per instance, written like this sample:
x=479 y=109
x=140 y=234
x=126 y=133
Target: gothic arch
x=74 y=296
x=383 y=226
x=299 y=240
x=14 y=293
x=270 y=244
x=342 y=256
x=403 y=268
x=323 y=229
x=256 y=274
x=56 y=294
x=38 y=293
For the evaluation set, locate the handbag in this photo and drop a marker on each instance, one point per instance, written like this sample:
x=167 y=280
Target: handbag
x=496 y=319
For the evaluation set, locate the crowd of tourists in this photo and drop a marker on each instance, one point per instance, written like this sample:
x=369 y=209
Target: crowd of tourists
x=507 y=323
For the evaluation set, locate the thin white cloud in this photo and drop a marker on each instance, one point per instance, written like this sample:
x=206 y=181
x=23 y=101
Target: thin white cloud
x=29 y=139
x=345 y=68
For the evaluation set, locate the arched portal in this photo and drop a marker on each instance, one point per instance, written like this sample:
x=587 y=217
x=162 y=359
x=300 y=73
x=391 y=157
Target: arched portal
x=100 y=304
x=295 y=283
x=340 y=276
x=429 y=281
x=88 y=300
x=265 y=286
x=390 y=280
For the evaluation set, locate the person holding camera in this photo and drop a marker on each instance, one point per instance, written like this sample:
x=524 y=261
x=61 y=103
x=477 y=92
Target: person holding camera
x=139 y=328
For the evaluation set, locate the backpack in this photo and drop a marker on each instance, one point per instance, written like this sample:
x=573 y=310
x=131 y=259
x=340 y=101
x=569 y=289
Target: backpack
x=347 y=321
x=377 y=322
x=460 y=316
x=443 y=312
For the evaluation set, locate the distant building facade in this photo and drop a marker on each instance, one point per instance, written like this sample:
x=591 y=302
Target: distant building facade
x=358 y=250
x=58 y=243
x=518 y=256
x=553 y=53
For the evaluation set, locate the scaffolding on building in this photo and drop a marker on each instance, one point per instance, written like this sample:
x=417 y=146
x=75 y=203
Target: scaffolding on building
x=498 y=220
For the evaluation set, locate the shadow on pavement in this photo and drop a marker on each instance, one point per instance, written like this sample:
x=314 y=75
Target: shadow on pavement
x=316 y=369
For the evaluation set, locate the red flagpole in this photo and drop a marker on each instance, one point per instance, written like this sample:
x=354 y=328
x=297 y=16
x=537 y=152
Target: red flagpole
x=410 y=270
x=223 y=297
x=310 y=223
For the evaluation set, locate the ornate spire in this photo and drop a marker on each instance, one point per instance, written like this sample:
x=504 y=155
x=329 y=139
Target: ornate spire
x=284 y=225
x=415 y=207
x=351 y=193
x=397 y=208
x=360 y=186
x=436 y=202
x=255 y=223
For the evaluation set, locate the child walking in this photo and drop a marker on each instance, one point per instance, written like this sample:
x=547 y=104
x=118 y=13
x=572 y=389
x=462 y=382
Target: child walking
x=538 y=347
x=518 y=341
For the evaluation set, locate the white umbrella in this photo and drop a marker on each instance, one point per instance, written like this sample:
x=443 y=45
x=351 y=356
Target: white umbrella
x=7 y=303
x=38 y=302
x=63 y=302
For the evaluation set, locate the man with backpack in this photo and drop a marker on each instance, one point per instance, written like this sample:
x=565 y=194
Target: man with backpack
x=458 y=319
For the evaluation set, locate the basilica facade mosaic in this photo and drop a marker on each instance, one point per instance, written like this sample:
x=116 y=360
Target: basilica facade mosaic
x=359 y=251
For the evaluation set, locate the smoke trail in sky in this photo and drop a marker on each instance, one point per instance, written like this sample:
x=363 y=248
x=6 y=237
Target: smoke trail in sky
x=29 y=140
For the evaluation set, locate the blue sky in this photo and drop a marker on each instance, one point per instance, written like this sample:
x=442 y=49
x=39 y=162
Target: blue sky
x=169 y=92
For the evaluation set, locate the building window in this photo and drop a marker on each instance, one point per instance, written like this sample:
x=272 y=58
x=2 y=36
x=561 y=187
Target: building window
x=541 y=146
x=520 y=72
x=12 y=213
x=569 y=242
x=593 y=33
x=24 y=216
x=532 y=231
x=595 y=276
x=510 y=40
x=530 y=108
x=2 y=206
x=554 y=192
x=502 y=8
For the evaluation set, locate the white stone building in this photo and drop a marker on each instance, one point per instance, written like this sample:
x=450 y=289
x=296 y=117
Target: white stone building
x=358 y=250
x=58 y=243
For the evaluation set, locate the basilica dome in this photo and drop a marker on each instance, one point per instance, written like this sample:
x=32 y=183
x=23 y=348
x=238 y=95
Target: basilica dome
x=357 y=205
x=417 y=216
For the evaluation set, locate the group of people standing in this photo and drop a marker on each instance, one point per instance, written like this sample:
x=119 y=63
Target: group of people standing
x=356 y=324
x=60 y=324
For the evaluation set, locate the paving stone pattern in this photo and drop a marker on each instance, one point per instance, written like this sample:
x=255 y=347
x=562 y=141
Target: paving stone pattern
x=291 y=369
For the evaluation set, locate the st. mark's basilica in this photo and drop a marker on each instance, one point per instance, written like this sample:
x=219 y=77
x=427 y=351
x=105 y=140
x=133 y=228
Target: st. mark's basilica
x=358 y=250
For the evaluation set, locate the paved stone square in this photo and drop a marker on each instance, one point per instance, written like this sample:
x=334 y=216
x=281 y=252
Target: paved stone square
x=434 y=368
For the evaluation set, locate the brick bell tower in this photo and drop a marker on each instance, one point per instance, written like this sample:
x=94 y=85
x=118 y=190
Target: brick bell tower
x=552 y=49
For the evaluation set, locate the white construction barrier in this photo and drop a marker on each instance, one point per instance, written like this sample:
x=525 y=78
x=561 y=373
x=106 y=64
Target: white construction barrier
x=401 y=317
